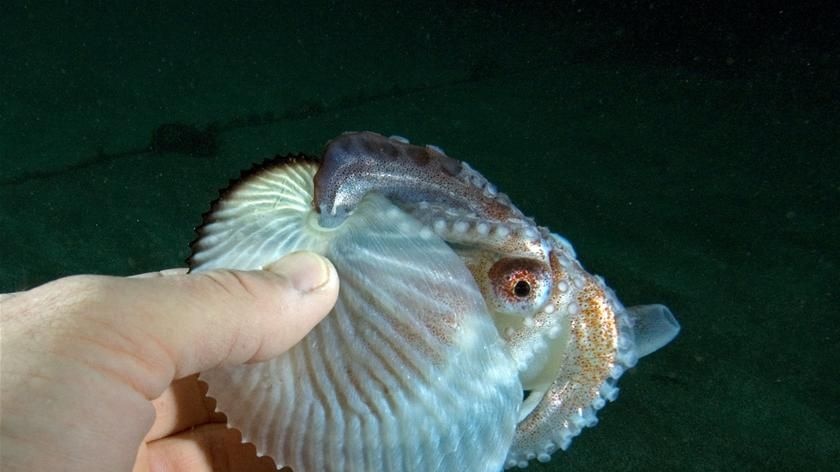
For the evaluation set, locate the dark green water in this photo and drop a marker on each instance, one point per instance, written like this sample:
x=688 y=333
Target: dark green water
x=694 y=164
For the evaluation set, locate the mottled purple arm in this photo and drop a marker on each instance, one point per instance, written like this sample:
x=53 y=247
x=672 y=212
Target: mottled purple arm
x=357 y=163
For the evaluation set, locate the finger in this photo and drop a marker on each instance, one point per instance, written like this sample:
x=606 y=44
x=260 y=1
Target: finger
x=161 y=273
x=165 y=328
x=183 y=405
x=207 y=448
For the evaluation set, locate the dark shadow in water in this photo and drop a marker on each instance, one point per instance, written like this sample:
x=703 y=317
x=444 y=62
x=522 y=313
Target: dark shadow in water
x=203 y=142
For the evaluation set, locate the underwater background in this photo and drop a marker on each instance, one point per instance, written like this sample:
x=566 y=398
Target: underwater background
x=690 y=151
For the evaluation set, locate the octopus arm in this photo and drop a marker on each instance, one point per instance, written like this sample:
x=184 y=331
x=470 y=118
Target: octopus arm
x=604 y=339
x=355 y=164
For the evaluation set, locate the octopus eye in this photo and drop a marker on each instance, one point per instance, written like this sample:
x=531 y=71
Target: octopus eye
x=522 y=288
x=518 y=286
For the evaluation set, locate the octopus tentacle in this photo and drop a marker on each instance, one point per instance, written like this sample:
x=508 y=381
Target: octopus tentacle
x=595 y=343
x=356 y=163
x=511 y=237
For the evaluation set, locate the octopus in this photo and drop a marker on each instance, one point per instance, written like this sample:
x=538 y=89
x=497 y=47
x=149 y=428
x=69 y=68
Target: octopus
x=465 y=336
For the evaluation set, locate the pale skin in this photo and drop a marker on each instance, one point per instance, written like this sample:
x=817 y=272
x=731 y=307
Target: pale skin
x=99 y=373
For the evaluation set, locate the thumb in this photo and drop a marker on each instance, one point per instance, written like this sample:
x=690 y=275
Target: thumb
x=184 y=324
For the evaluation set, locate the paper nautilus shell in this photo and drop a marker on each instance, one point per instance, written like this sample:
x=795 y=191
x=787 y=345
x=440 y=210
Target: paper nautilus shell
x=465 y=337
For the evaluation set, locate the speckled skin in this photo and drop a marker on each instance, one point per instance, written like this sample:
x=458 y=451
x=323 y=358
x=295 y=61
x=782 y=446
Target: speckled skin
x=356 y=163
x=569 y=335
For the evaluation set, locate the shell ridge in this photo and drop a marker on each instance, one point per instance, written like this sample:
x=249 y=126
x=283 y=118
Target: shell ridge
x=413 y=357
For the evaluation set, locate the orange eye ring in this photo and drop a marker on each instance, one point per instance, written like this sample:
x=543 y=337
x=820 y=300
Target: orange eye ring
x=519 y=286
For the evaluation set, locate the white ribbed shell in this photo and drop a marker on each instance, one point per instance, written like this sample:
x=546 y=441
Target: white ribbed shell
x=407 y=373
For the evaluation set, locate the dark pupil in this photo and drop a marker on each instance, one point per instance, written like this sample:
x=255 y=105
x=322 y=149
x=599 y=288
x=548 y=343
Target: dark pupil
x=522 y=289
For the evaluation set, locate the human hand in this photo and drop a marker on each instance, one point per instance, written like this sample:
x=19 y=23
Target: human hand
x=98 y=372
